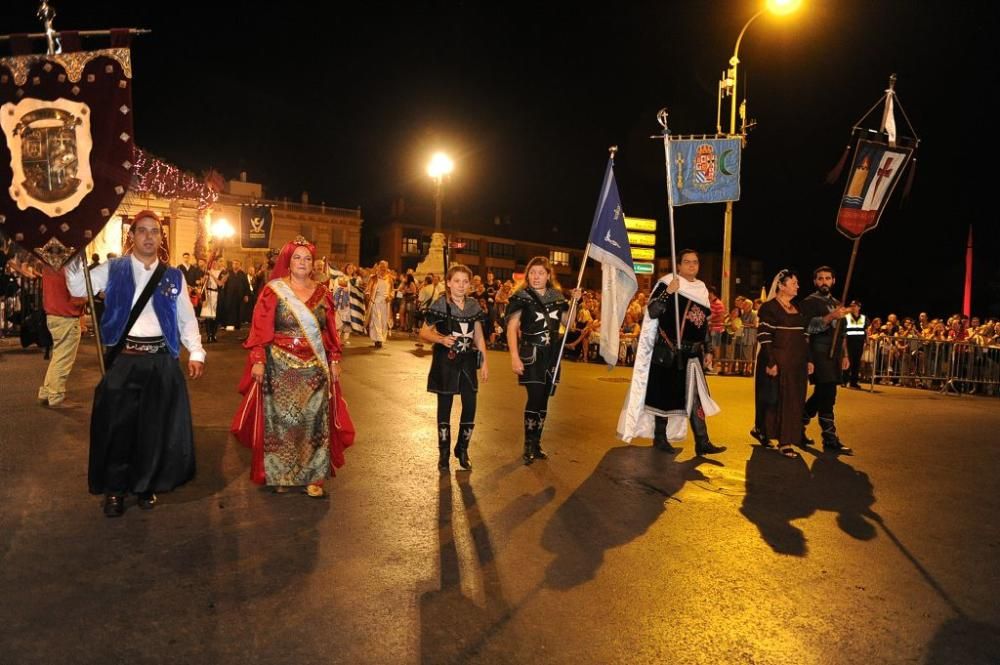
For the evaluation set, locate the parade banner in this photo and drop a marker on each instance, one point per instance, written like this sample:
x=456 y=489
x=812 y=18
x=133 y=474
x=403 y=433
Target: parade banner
x=873 y=177
x=255 y=226
x=65 y=157
x=705 y=170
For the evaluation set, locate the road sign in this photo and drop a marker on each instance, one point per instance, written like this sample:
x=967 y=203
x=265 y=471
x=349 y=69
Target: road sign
x=642 y=239
x=640 y=224
x=643 y=268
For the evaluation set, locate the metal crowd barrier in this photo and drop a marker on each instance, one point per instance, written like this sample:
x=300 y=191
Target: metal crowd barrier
x=949 y=367
x=737 y=355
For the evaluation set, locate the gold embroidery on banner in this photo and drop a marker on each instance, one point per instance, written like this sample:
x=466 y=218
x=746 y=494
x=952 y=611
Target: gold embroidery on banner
x=73 y=63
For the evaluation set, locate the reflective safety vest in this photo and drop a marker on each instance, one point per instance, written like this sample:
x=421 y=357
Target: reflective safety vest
x=855 y=327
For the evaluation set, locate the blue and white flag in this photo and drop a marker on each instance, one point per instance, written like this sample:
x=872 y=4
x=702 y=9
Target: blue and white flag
x=608 y=244
x=705 y=170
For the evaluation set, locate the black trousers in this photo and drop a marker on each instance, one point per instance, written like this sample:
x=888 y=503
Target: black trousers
x=141 y=438
x=445 y=401
x=855 y=348
x=821 y=404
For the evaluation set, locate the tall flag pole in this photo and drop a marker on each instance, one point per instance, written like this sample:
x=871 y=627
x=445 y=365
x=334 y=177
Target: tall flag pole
x=967 y=299
x=661 y=117
x=608 y=245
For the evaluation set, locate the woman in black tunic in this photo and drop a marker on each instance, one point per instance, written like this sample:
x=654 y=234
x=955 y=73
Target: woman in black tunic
x=453 y=324
x=534 y=315
x=783 y=367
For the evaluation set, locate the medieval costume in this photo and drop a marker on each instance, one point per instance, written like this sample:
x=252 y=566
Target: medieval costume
x=141 y=437
x=827 y=372
x=296 y=421
x=540 y=316
x=357 y=304
x=210 y=303
x=342 y=302
x=780 y=400
x=668 y=380
x=235 y=304
x=378 y=310
x=453 y=372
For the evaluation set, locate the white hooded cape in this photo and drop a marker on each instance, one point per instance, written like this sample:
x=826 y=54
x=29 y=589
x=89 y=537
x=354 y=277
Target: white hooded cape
x=634 y=421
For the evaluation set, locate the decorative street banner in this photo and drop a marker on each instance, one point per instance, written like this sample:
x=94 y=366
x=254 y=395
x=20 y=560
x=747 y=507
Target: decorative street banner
x=255 y=226
x=65 y=157
x=873 y=176
x=705 y=170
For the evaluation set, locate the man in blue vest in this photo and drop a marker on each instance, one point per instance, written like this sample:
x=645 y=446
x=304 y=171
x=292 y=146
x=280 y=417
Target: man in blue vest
x=141 y=438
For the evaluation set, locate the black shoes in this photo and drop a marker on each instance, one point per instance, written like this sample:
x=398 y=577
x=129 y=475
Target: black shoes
x=761 y=438
x=114 y=505
x=837 y=448
x=147 y=501
x=708 y=449
x=529 y=453
x=664 y=446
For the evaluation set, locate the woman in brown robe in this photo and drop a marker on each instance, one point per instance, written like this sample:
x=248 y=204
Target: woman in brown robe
x=783 y=367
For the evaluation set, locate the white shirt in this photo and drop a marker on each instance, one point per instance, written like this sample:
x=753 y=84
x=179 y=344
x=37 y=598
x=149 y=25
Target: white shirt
x=147 y=324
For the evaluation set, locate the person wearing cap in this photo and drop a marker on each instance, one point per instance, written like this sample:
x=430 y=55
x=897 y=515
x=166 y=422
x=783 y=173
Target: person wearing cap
x=856 y=335
x=141 y=437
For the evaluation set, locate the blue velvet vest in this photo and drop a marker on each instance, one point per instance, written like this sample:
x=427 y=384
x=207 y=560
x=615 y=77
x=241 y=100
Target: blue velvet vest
x=118 y=297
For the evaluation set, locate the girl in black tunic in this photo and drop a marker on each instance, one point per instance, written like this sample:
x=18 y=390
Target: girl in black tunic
x=782 y=367
x=534 y=314
x=453 y=324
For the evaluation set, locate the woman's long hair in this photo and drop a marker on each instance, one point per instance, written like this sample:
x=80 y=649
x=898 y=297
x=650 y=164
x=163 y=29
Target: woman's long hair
x=551 y=283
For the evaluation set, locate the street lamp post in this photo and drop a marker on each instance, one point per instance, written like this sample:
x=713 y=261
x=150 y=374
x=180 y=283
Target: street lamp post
x=438 y=168
x=780 y=8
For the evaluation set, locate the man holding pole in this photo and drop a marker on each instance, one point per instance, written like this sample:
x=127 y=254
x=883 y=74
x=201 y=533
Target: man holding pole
x=821 y=309
x=141 y=437
x=668 y=381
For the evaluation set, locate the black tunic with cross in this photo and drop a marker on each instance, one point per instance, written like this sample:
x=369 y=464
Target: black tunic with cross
x=450 y=366
x=540 y=318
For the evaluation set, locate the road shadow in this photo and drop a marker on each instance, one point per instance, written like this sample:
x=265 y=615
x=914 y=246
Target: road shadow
x=220 y=460
x=781 y=490
x=621 y=499
x=962 y=640
x=452 y=626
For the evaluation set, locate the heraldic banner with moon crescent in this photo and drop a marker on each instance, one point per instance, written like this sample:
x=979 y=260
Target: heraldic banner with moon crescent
x=705 y=170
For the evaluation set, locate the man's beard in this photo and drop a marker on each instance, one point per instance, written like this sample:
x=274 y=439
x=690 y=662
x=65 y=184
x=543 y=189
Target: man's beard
x=825 y=290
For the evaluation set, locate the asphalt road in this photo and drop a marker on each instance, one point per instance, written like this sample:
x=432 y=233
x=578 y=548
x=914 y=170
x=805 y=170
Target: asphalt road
x=606 y=553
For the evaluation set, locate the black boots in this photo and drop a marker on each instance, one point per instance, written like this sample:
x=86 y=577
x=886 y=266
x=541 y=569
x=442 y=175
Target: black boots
x=444 y=446
x=532 y=436
x=539 y=453
x=702 y=444
x=462 y=445
x=660 y=441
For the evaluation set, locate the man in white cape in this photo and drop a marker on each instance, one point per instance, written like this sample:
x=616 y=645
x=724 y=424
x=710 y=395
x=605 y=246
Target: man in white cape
x=668 y=380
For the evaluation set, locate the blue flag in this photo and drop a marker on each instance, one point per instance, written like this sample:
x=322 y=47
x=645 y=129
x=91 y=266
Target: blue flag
x=705 y=170
x=608 y=244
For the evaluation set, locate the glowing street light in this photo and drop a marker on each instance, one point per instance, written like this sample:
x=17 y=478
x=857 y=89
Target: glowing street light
x=439 y=166
x=222 y=229
x=727 y=86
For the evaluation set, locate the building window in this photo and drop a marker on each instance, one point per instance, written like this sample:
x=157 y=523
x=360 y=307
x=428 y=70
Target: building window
x=559 y=258
x=411 y=246
x=338 y=241
x=499 y=250
x=468 y=246
x=502 y=274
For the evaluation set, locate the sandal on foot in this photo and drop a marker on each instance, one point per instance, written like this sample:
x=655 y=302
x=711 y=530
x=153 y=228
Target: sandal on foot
x=788 y=451
x=761 y=439
x=279 y=489
x=315 y=491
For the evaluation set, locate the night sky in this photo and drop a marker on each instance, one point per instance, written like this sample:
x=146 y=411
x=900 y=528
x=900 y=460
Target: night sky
x=349 y=104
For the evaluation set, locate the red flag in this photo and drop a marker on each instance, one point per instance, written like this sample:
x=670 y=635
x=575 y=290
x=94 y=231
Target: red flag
x=967 y=300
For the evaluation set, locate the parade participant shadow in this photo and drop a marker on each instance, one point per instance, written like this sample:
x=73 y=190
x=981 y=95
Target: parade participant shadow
x=453 y=627
x=220 y=461
x=962 y=640
x=620 y=500
x=780 y=490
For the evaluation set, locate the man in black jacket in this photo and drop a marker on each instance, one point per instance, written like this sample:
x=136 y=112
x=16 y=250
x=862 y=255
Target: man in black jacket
x=821 y=310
